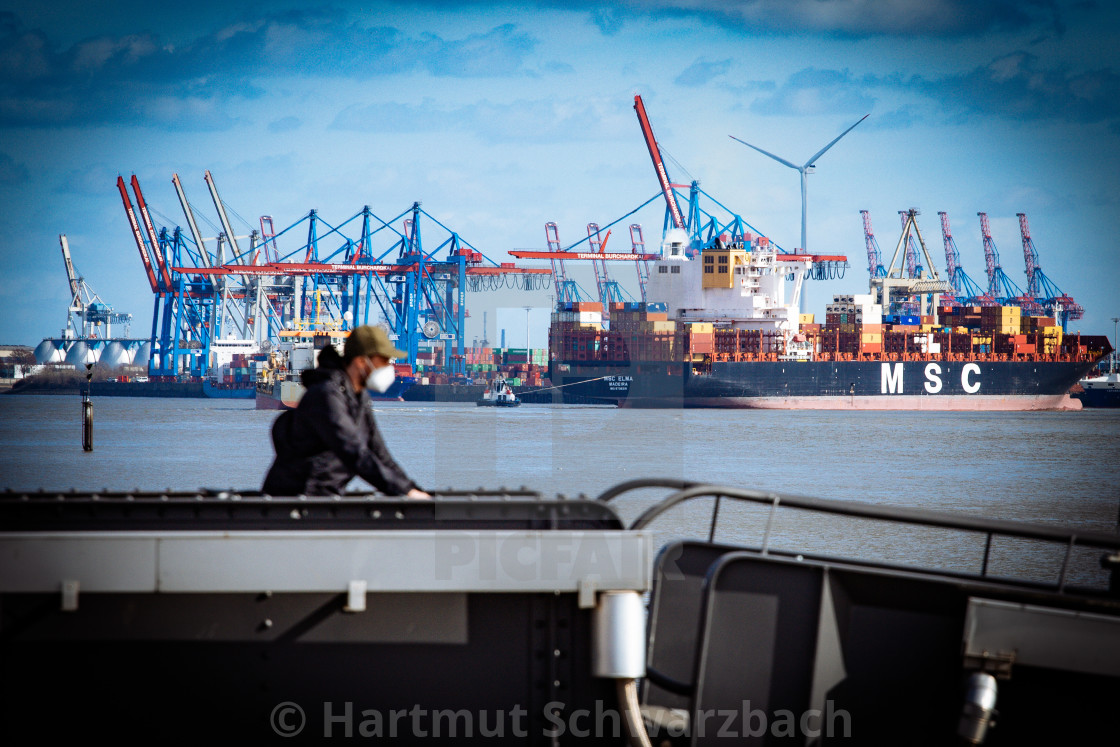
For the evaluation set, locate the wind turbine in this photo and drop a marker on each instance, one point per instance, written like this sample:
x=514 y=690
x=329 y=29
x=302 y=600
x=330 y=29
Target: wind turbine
x=808 y=168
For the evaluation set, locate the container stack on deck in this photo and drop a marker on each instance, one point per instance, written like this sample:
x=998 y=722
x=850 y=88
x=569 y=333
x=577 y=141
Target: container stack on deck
x=517 y=366
x=855 y=328
x=636 y=332
x=242 y=369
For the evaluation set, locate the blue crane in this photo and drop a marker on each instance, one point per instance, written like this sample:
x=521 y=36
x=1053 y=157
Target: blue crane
x=966 y=290
x=1040 y=288
x=1001 y=287
x=333 y=279
x=874 y=254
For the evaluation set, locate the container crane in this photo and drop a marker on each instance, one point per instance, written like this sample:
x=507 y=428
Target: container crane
x=226 y=227
x=157 y=248
x=667 y=186
x=874 y=256
x=1001 y=287
x=268 y=241
x=71 y=276
x=180 y=329
x=138 y=237
x=1040 y=288
x=638 y=246
x=203 y=254
x=911 y=294
x=86 y=306
x=609 y=290
x=965 y=289
x=419 y=293
x=245 y=317
x=914 y=267
x=566 y=290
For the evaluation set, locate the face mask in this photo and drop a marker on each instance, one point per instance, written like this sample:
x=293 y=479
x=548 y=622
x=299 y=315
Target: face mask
x=380 y=379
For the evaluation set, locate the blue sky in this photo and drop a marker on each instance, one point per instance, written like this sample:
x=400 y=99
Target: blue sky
x=500 y=117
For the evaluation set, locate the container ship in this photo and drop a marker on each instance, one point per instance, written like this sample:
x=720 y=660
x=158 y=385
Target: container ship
x=279 y=385
x=720 y=331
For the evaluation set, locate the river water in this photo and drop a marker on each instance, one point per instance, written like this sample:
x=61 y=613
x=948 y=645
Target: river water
x=1049 y=467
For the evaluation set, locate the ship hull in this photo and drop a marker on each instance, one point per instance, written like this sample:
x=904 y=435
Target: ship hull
x=1095 y=397
x=841 y=385
x=228 y=392
x=285 y=395
x=279 y=396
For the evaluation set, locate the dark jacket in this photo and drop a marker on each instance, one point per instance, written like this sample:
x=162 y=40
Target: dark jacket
x=329 y=438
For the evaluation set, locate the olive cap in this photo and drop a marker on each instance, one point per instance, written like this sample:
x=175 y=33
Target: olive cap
x=367 y=340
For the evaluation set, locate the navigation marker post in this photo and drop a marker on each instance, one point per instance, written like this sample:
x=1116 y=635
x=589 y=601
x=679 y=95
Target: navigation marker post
x=87 y=412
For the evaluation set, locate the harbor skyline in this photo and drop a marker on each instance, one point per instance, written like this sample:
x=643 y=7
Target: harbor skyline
x=500 y=117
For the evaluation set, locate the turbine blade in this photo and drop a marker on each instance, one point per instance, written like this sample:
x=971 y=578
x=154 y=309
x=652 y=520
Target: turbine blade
x=760 y=150
x=820 y=152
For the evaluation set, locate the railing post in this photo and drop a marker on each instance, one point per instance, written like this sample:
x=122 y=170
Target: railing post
x=769 y=522
x=987 y=554
x=715 y=515
x=1065 y=562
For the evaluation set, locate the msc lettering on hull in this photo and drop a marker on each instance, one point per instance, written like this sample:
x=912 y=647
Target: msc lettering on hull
x=891 y=378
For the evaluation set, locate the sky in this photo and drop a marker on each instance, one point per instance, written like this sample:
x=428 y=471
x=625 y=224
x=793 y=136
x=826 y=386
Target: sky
x=498 y=117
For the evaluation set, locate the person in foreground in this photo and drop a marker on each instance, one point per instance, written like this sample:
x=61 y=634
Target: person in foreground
x=331 y=436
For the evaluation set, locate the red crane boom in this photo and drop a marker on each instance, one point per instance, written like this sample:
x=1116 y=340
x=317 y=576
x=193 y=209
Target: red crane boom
x=137 y=235
x=658 y=164
x=152 y=238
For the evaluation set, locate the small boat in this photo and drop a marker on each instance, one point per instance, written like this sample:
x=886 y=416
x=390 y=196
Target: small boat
x=498 y=395
x=1100 y=391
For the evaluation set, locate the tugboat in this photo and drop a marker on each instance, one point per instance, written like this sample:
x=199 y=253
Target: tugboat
x=1102 y=390
x=498 y=395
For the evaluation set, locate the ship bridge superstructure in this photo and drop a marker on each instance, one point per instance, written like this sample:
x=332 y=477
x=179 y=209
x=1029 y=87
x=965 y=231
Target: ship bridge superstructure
x=735 y=284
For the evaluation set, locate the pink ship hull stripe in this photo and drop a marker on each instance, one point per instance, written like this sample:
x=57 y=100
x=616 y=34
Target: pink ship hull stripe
x=889 y=402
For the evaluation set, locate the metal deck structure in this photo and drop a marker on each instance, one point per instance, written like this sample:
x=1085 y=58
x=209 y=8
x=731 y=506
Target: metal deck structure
x=520 y=619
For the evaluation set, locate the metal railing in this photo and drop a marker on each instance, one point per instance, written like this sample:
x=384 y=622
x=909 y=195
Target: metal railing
x=686 y=491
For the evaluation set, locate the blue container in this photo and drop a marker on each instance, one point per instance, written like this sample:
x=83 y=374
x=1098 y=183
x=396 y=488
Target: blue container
x=656 y=306
x=890 y=318
x=910 y=320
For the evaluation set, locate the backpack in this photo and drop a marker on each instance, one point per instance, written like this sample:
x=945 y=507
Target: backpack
x=282 y=429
